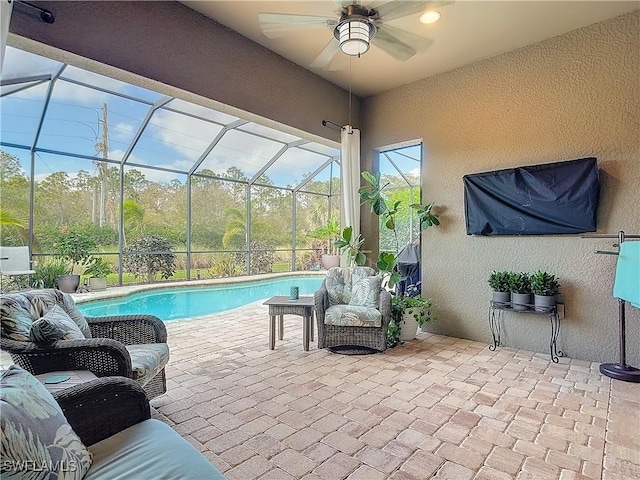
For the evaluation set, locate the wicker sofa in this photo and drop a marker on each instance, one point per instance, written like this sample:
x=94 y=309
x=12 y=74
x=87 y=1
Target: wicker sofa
x=352 y=309
x=133 y=346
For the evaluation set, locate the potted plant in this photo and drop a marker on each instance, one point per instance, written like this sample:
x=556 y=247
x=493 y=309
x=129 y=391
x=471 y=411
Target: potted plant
x=73 y=249
x=544 y=287
x=372 y=194
x=351 y=245
x=97 y=271
x=328 y=236
x=499 y=283
x=47 y=274
x=520 y=287
x=407 y=315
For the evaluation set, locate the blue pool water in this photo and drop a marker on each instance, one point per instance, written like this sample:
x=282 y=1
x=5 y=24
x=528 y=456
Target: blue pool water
x=175 y=303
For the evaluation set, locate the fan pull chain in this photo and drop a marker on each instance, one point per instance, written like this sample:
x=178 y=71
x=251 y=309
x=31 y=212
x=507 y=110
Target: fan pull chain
x=350 y=90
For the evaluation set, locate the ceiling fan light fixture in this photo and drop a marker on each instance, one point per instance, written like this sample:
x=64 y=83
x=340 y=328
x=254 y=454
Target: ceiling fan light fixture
x=354 y=36
x=432 y=16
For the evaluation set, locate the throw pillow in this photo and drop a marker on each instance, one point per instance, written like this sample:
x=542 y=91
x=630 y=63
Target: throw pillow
x=54 y=325
x=14 y=317
x=366 y=292
x=43 y=300
x=37 y=440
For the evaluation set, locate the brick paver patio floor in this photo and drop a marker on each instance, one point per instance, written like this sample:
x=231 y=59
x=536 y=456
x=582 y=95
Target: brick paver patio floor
x=435 y=407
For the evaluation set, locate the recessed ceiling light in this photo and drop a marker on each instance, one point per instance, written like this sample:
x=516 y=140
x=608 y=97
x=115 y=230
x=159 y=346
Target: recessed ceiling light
x=431 y=16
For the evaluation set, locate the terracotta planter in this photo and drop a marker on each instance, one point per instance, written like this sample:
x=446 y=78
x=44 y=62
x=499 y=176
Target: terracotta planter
x=329 y=261
x=68 y=283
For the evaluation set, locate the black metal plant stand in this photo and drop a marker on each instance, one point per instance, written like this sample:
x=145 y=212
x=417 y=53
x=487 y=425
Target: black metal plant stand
x=496 y=320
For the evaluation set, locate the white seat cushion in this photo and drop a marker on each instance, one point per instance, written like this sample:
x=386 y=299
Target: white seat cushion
x=352 y=316
x=147 y=360
x=148 y=450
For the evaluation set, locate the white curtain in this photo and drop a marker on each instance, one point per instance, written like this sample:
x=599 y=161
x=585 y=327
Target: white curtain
x=350 y=177
x=5 y=17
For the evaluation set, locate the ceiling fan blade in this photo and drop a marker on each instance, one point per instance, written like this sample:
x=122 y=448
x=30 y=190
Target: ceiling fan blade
x=276 y=25
x=292 y=18
x=415 y=41
x=326 y=55
x=399 y=44
x=392 y=10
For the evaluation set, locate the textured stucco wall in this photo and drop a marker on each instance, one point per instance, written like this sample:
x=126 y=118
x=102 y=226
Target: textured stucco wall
x=179 y=47
x=568 y=97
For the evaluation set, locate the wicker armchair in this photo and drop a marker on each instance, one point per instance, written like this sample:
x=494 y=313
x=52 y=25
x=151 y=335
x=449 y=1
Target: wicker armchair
x=133 y=346
x=112 y=417
x=352 y=309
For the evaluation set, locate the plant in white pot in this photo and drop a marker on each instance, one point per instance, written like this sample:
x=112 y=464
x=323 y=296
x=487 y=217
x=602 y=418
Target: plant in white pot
x=328 y=236
x=98 y=269
x=409 y=314
x=545 y=287
x=520 y=286
x=499 y=283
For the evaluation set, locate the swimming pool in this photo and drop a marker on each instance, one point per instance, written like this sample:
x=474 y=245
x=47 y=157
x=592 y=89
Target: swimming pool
x=177 y=303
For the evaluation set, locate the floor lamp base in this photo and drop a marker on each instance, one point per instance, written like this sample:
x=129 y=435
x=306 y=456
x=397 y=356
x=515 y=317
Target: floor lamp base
x=625 y=373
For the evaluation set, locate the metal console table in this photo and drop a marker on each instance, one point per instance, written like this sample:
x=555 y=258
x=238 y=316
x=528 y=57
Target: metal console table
x=496 y=319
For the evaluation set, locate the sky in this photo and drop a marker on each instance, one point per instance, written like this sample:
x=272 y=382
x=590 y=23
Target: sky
x=172 y=139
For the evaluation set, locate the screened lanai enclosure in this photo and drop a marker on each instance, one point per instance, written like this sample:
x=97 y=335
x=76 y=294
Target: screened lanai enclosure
x=134 y=173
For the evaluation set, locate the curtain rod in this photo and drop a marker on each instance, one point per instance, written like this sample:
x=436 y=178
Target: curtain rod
x=330 y=124
x=607 y=235
x=45 y=15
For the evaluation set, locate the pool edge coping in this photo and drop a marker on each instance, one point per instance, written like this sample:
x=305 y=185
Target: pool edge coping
x=124 y=291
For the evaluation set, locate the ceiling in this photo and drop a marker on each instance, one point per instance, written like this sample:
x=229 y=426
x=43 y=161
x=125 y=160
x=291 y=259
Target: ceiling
x=467 y=32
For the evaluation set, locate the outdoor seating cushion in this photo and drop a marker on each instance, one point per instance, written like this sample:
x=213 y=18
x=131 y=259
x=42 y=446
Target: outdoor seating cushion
x=147 y=360
x=352 y=316
x=36 y=437
x=150 y=449
x=19 y=310
x=54 y=325
x=366 y=292
x=339 y=282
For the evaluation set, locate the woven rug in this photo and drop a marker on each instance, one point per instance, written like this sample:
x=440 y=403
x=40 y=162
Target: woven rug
x=353 y=350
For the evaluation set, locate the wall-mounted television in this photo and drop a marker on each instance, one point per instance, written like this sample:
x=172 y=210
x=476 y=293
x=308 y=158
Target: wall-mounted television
x=547 y=199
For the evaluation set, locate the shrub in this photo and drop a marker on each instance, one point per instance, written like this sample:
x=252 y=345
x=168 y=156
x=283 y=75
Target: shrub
x=159 y=260
x=73 y=247
x=225 y=265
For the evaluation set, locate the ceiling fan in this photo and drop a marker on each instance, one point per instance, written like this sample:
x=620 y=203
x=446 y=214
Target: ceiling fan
x=356 y=27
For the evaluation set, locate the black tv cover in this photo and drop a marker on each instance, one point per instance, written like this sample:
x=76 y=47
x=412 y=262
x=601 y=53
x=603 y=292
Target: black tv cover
x=553 y=198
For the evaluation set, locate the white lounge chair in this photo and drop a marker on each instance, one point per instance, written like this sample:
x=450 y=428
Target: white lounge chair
x=15 y=262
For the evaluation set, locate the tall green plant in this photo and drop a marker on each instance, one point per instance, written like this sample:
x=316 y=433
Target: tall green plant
x=351 y=245
x=328 y=234
x=373 y=194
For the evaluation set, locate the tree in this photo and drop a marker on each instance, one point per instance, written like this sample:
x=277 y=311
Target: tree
x=132 y=215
